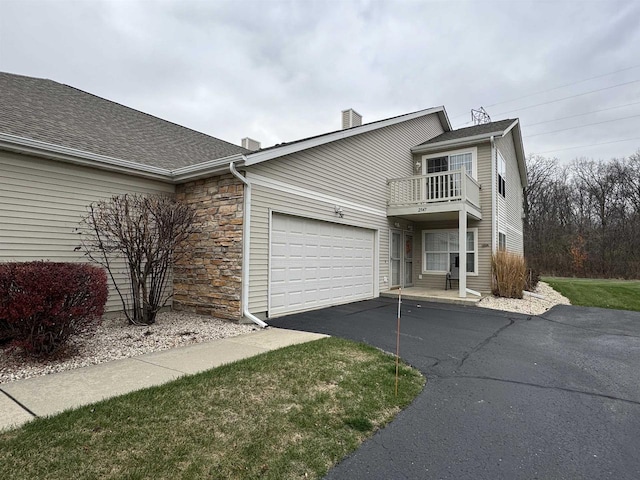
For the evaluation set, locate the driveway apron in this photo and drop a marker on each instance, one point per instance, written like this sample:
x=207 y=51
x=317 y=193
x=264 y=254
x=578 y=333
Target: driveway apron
x=507 y=395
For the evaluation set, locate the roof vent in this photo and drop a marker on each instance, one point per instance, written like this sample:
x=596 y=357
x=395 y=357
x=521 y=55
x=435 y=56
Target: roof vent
x=250 y=144
x=351 y=118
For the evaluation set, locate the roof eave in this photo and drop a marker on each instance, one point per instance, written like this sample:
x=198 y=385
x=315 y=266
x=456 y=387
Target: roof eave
x=519 y=146
x=52 y=151
x=207 y=169
x=259 y=157
x=38 y=148
x=444 y=120
x=456 y=142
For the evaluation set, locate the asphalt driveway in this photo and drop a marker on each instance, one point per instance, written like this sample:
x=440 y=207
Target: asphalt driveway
x=508 y=396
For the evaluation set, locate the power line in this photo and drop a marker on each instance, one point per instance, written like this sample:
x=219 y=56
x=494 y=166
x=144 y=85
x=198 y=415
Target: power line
x=590 y=145
x=565 y=98
x=581 y=126
x=581 y=114
x=565 y=85
x=554 y=88
x=571 y=96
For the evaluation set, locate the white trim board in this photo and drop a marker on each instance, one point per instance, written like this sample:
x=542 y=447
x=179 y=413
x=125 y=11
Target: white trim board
x=303 y=192
x=261 y=156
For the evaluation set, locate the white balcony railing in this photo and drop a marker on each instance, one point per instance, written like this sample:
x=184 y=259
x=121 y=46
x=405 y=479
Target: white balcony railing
x=452 y=186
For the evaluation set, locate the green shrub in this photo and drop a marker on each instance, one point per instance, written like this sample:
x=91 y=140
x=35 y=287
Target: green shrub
x=509 y=274
x=42 y=304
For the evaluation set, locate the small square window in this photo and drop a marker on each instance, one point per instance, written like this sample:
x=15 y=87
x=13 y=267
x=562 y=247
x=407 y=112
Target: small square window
x=502 y=241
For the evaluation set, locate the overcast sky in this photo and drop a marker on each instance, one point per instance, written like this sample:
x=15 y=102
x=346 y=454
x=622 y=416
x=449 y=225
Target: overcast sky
x=282 y=70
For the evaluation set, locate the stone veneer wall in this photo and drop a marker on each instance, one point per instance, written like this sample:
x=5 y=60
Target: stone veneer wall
x=208 y=280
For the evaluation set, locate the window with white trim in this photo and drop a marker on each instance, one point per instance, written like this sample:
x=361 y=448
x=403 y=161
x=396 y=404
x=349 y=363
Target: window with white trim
x=502 y=241
x=502 y=175
x=452 y=161
x=449 y=163
x=441 y=252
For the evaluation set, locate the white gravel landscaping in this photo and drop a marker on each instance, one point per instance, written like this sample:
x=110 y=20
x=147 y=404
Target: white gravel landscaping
x=529 y=305
x=115 y=339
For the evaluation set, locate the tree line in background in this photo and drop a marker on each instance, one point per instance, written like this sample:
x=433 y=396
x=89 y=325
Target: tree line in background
x=583 y=219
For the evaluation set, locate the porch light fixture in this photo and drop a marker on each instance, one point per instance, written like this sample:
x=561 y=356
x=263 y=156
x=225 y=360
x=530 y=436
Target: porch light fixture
x=338 y=210
x=418 y=166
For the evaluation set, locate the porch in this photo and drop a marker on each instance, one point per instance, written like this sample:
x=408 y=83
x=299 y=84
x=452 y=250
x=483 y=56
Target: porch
x=443 y=197
x=432 y=295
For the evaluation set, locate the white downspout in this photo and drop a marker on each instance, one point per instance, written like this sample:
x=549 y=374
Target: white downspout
x=494 y=201
x=246 y=243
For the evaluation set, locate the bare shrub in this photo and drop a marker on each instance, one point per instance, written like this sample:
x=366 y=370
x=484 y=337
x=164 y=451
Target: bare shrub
x=143 y=231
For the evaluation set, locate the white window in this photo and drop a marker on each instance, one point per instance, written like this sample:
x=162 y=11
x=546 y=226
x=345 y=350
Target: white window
x=441 y=251
x=502 y=241
x=451 y=161
x=502 y=175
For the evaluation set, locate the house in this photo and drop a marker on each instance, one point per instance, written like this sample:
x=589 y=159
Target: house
x=329 y=219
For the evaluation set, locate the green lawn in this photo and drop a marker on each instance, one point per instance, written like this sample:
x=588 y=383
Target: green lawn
x=290 y=413
x=618 y=294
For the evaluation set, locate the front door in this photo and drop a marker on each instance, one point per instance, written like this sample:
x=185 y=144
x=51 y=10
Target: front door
x=408 y=259
x=395 y=260
x=401 y=259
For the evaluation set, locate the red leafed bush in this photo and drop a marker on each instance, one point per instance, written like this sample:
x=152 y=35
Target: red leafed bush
x=42 y=304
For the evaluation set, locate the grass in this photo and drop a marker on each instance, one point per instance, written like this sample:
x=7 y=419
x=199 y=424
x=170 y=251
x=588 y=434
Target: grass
x=588 y=292
x=290 y=413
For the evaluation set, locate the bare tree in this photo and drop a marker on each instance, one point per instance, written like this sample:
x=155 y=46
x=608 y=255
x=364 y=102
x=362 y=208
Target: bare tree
x=585 y=214
x=142 y=231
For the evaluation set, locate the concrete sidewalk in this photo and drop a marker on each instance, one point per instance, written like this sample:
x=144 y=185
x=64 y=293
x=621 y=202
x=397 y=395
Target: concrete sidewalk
x=23 y=400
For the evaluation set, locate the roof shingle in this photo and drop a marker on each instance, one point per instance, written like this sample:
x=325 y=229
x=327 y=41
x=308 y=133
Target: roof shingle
x=462 y=133
x=51 y=112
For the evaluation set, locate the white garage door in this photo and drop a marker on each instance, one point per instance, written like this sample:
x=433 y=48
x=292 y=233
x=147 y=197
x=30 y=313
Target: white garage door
x=315 y=264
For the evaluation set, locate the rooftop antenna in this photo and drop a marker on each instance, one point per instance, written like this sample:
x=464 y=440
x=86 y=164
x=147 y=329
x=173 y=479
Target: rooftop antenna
x=480 y=116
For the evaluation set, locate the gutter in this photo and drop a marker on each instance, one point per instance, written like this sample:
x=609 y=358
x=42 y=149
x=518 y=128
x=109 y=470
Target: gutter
x=494 y=202
x=14 y=143
x=28 y=146
x=246 y=246
x=205 y=169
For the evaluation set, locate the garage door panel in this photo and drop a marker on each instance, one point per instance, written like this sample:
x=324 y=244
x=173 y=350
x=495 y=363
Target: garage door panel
x=316 y=264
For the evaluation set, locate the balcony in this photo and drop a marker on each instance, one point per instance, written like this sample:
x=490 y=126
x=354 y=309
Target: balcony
x=436 y=193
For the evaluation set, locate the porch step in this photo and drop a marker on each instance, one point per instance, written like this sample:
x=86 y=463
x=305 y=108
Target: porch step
x=431 y=296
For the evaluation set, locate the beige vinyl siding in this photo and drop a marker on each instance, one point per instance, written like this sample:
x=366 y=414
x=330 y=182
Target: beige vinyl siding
x=42 y=201
x=481 y=282
x=352 y=170
x=355 y=168
x=510 y=209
